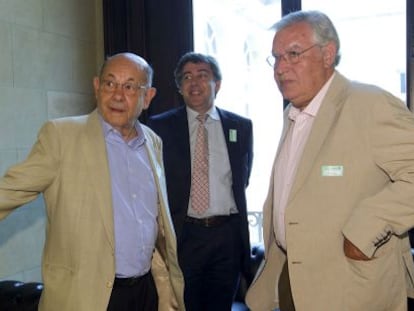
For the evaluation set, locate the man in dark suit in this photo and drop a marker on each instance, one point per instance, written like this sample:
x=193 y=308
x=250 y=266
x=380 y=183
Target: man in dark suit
x=212 y=233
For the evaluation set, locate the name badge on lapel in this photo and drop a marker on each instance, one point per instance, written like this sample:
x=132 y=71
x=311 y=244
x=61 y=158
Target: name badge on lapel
x=332 y=170
x=233 y=135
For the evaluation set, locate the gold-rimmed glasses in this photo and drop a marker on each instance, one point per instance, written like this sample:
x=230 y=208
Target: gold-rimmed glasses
x=290 y=57
x=129 y=88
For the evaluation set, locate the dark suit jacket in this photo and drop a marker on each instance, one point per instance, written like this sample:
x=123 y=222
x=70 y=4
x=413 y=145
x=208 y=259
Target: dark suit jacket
x=172 y=127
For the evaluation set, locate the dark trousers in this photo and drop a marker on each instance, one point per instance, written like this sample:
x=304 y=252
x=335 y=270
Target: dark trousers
x=139 y=294
x=210 y=260
x=285 y=291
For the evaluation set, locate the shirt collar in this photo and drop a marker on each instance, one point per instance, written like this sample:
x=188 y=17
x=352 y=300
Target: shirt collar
x=109 y=130
x=212 y=113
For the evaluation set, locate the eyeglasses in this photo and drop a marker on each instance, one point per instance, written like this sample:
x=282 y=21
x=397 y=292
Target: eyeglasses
x=129 y=88
x=290 y=57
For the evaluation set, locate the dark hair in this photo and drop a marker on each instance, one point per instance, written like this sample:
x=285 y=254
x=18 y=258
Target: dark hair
x=323 y=29
x=192 y=57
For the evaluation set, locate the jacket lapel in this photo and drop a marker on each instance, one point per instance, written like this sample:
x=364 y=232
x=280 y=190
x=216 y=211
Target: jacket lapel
x=181 y=140
x=230 y=131
x=325 y=120
x=95 y=153
x=165 y=230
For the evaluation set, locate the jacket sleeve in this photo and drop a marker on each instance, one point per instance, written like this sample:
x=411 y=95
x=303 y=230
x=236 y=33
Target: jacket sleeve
x=23 y=182
x=390 y=211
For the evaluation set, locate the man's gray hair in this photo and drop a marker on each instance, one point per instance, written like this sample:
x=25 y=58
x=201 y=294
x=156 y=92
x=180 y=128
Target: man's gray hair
x=323 y=28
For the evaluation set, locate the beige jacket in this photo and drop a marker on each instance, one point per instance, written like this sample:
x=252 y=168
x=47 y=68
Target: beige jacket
x=69 y=165
x=355 y=178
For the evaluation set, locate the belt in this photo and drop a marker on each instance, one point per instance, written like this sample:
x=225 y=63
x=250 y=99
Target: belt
x=208 y=222
x=128 y=282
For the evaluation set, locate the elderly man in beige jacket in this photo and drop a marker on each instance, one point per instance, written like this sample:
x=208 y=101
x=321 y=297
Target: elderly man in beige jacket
x=341 y=196
x=109 y=237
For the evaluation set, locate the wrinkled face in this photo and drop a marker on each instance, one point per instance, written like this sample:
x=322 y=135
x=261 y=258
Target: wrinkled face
x=198 y=86
x=301 y=79
x=121 y=93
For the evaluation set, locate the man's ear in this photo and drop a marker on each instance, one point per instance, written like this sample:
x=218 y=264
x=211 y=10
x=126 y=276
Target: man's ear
x=96 y=85
x=149 y=95
x=329 y=53
x=217 y=88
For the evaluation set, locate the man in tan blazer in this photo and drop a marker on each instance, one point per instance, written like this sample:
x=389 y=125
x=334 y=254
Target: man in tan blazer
x=341 y=195
x=109 y=234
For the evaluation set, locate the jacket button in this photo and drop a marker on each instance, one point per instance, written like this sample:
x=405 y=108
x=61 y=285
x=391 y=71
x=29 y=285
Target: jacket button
x=109 y=284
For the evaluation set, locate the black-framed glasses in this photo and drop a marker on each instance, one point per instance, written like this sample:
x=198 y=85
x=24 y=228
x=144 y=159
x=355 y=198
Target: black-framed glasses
x=290 y=57
x=129 y=88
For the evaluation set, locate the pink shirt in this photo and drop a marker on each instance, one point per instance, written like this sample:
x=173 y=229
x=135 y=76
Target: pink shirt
x=286 y=162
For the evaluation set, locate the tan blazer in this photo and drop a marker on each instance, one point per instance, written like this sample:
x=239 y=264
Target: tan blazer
x=355 y=178
x=69 y=165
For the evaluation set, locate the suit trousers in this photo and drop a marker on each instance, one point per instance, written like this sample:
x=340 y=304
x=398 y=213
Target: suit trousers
x=210 y=259
x=285 y=291
x=137 y=294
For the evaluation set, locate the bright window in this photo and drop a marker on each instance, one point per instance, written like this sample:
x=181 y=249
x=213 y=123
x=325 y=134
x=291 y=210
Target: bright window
x=373 y=40
x=236 y=33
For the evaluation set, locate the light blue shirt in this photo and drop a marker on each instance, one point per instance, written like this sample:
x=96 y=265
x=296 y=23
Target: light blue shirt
x=134 y=202
x=220 y=176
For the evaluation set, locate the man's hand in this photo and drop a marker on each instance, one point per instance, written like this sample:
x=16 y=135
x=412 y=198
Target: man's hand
x=352 y=252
